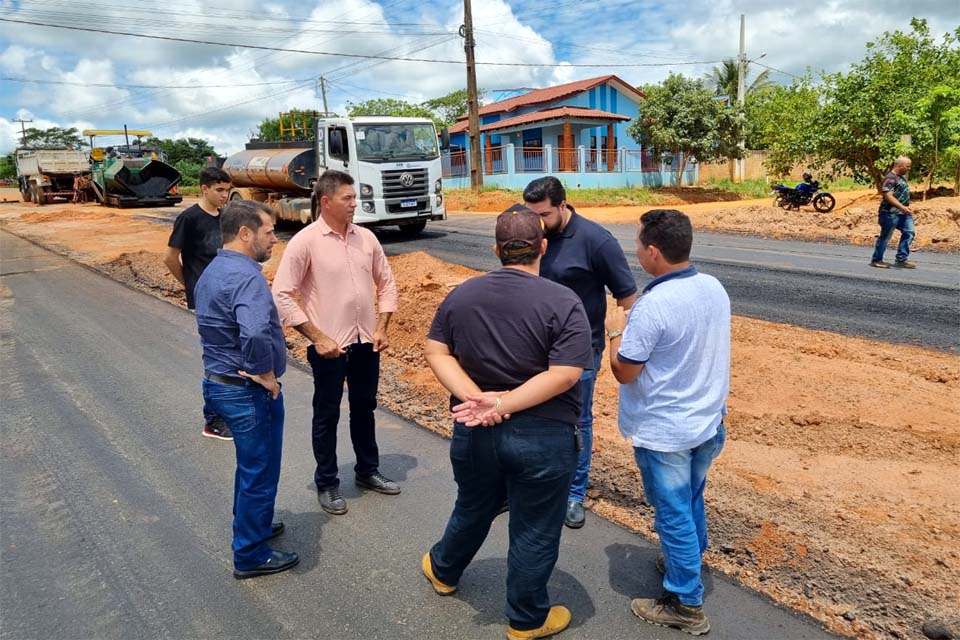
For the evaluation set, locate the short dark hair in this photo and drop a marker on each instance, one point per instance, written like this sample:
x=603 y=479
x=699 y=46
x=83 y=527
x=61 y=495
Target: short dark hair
x=330 y=181
x=543 y=188
x=669 y=231
x=213 y=175
x=241 y=213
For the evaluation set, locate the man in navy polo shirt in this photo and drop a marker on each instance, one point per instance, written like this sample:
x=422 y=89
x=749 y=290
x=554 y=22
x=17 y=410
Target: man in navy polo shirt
x=672 y=359
x=585 y=257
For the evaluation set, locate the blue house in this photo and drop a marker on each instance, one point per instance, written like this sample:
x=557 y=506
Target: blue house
x=577 y=131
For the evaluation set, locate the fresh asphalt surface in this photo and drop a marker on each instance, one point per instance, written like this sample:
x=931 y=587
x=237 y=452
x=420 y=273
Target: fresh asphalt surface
x=115 y=513
x=809 y=284
x=817 y=285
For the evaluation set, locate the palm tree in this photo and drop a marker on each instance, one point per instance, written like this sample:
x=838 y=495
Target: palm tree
x=723 y=79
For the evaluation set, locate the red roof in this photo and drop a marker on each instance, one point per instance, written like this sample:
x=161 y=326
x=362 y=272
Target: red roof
x=549 y=94
x=553 y=114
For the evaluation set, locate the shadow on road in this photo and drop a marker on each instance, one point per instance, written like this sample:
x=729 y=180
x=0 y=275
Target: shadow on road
x=475 y=590
x=633 y=572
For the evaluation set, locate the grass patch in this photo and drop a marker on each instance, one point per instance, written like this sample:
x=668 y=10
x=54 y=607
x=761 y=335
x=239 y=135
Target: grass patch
x=760 y=188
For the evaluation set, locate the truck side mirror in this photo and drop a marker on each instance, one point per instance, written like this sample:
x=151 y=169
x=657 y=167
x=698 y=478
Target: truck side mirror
x=444 y=138
x=338 y=143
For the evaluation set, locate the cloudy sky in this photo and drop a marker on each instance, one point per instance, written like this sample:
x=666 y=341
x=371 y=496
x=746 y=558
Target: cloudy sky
x=178 y=89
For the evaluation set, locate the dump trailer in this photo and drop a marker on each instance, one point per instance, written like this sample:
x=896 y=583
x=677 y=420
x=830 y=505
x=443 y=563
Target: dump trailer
x=394 y=161
x=131 y=176
x=45 y=174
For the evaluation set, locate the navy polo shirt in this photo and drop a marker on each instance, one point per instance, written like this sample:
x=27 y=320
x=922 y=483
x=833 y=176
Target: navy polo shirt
x=587 y=258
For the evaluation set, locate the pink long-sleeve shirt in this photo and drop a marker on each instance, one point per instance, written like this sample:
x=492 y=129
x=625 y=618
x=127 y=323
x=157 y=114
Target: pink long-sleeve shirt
x=338 y=278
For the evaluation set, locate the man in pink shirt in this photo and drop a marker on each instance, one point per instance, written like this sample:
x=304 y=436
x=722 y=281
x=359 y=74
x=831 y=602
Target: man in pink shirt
x=347 y=295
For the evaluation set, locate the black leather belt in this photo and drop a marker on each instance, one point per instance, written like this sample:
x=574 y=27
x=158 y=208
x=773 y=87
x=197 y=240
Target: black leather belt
x=233 y=381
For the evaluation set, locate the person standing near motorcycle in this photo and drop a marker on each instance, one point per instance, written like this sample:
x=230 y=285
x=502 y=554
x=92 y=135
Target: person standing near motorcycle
x=895 y=213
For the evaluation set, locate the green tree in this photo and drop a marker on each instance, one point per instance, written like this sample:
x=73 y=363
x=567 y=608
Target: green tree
x=782 y=120
x=856 y=130
x=682 y=117
x=8 y=167
x=724 y=78
x=53 y=137
x=933 y=125
x=388 y=107
x=191 y=150
x=448 y=109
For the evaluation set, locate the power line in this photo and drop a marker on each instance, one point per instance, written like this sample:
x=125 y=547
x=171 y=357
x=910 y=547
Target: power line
x=353 y=55
x=766 y=66
x=153 y=86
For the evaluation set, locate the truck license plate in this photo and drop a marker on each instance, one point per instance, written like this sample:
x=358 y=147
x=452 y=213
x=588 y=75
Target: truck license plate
x=408 y=204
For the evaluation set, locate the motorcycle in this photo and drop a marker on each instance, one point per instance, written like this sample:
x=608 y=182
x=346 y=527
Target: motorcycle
x=807 y=192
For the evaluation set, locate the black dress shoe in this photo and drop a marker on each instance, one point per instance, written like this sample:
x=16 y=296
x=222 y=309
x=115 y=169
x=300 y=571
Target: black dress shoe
x=331 y=501
x=277 y=562
x=379 y=483
x=575 y=515
x=275 y=529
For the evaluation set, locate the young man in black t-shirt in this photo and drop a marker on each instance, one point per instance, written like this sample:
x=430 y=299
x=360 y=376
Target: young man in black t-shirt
x=192 y=246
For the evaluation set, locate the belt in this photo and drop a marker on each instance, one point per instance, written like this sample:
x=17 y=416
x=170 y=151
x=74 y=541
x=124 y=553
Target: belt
x=233 y=381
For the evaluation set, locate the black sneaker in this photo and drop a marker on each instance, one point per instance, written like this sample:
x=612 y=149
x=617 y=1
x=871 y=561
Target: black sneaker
x=379 y=483
x=668 y=611
x=217 y=428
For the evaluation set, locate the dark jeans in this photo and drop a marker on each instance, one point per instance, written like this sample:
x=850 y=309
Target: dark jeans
x=530 y=460
x=256 y=421
x=360 y=367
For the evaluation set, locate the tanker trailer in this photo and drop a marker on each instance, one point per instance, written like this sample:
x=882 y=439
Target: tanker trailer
x=279 y=174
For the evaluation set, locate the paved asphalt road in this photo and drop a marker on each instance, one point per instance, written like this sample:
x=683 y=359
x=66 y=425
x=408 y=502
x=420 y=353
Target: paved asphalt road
x=115 y=513
x=809 y=284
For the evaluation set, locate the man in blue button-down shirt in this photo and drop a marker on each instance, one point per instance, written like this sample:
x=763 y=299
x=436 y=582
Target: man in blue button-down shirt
x=244 y=354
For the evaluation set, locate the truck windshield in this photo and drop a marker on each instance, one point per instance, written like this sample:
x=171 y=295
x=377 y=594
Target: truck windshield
x=393 y=142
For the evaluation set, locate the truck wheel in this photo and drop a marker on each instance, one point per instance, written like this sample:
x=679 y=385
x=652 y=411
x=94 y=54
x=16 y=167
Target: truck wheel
x=45 y=197
x=414 y=229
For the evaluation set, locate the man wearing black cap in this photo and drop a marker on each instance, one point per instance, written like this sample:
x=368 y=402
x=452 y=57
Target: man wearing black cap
x=511 y=347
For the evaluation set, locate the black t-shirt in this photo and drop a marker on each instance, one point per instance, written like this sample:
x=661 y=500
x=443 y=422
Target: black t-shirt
x=586 y=257
x=197 y=234
x=507 y=326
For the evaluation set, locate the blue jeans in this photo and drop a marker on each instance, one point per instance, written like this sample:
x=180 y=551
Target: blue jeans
x=888 y=222
x=530 y=460
x=674 y=484
x=588 y=380
x=256 y=421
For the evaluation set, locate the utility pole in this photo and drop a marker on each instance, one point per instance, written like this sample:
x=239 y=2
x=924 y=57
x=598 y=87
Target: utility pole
x=473 y=104
x=741 y=90
x=23 y=129
x=323 y=90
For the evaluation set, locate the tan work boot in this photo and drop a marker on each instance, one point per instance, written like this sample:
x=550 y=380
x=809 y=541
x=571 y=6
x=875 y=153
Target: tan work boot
x=439 y=587
x=557 y=620
x=668 y=611
x=879 y=264
x=904 y=264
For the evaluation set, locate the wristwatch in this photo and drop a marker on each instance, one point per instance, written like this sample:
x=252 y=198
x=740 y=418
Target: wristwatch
x=613 y=333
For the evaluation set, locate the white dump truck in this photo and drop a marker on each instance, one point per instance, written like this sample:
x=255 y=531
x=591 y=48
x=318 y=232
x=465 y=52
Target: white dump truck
x=395 y=162
x=45 y=174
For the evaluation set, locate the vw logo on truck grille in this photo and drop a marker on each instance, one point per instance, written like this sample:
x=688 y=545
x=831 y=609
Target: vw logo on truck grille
x=406 y=179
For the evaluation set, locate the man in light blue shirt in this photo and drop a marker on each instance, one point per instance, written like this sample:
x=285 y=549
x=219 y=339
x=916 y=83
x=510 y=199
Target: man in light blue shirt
x=672 y=359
